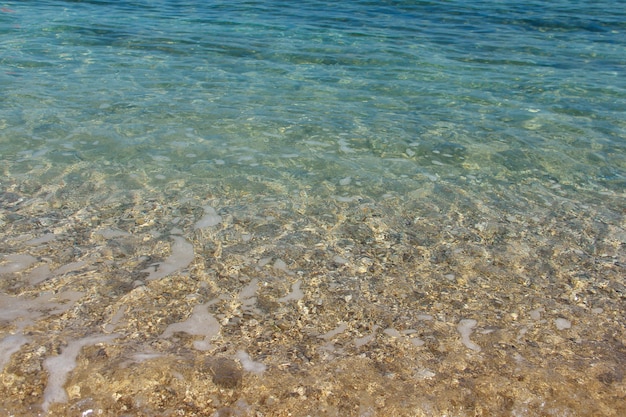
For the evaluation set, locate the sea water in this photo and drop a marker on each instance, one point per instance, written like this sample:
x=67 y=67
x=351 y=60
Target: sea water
x=290 y=170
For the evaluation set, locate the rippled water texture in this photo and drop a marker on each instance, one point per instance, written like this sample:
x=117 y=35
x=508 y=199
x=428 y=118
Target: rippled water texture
x=280 y=208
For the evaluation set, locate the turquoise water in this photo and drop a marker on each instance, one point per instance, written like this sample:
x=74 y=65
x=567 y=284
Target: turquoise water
x=338 y=184
x=319 y=90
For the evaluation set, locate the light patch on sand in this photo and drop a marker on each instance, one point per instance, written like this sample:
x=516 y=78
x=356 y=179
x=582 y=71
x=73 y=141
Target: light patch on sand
x=336 y=331
x=199 y=323
x=181 y=256
x=295 y=294
x=465 y=328
x=248 y=298
x=16 y=262
x=8 y=346
x=58 y=367
x=111 y=233
x=26 y=309
x=361 y=341
x=280 y=265
x=210 y=218
x=249 y=365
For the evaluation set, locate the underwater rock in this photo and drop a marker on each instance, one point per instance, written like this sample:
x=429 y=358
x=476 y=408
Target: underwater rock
x=225 y=372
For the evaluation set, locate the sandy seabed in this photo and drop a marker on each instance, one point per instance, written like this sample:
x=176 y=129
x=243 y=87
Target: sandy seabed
x=458 y=299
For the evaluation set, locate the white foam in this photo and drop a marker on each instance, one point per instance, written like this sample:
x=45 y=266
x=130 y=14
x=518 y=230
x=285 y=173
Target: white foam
x=16 y=262
x=111 y=233
x=295 y=294
x=280 y=265
x=202 y=345
x=199 y=323
x=264 y=261
x=8 y=346
x=48 y=237
x=160 y=158
x=358 y=342
x=182 y=255
x=247 y=296
x=119 y=314
x=39 y=274
x=28 y=309
x=465 y=328
x=339 y=260
x=344 y=146
x=249 y=365
x=210 y=218
x=425 y=374
x=392 y=332
x=336 y=331
x=347 y=199
x=562 y=324
x=68 y=297
x=249 y=291
x=432 y=177
x=142 y=357
x=60 y=366
x=536 y=313
x=71 y=267
x=405 y=335
x=416 y=341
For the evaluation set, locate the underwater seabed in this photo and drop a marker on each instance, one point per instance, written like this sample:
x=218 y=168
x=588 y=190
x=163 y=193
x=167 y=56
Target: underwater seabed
x=261 y=298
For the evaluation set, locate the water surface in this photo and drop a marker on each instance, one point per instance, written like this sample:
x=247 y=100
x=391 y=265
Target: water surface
x=355 y=208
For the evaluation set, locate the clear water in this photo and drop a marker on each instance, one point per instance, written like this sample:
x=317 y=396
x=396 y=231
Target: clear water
x=320 y=90
x=493 y=122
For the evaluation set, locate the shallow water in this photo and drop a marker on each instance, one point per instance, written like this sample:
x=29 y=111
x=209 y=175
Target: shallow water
x=263 y=208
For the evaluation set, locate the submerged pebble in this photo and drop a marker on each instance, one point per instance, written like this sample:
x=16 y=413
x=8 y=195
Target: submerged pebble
x=225 y=372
